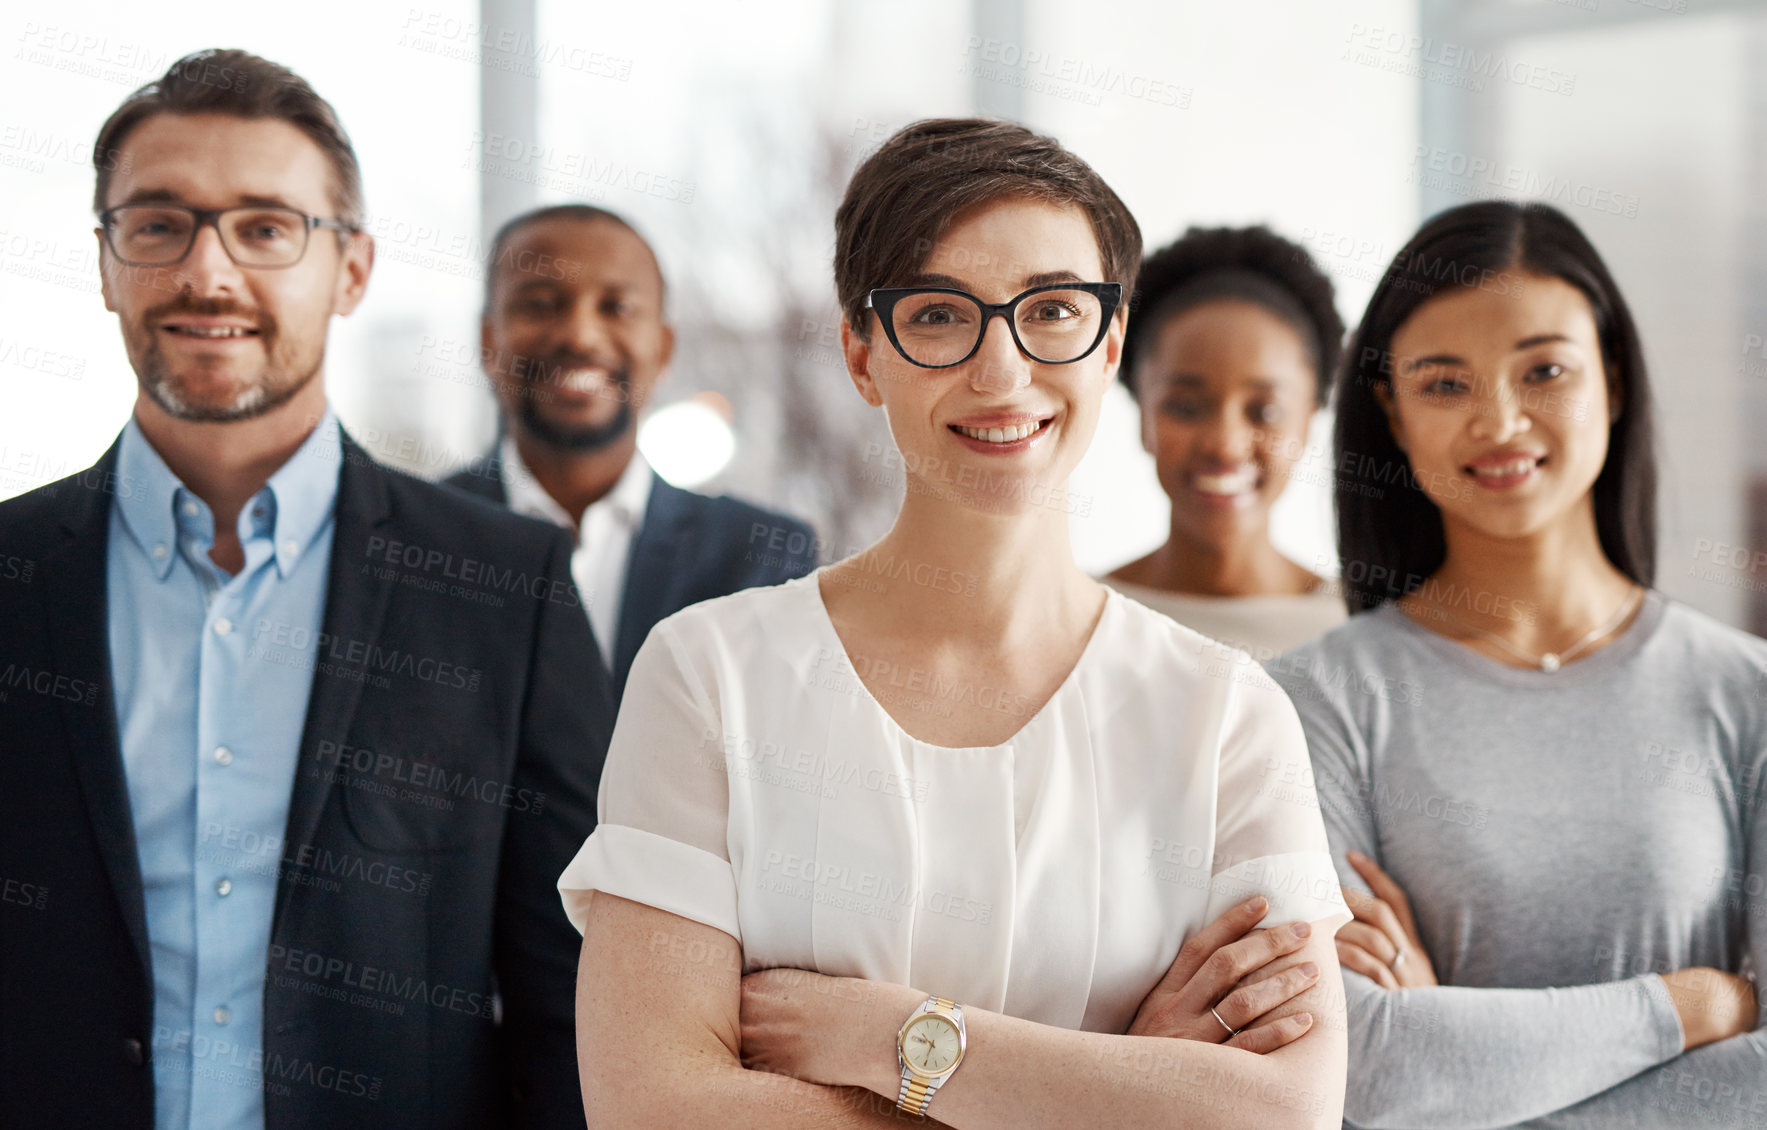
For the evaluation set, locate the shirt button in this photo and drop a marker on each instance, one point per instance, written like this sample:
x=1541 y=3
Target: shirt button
x=223 y=755
x=291 y=546
x=191 y=509
x=161 y=552
x=223 y=1015
x=224 y=887
x=223 y=626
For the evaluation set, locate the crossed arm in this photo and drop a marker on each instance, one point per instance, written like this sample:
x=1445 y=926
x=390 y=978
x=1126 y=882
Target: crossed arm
x=1609 y=1055
x=661 y=1041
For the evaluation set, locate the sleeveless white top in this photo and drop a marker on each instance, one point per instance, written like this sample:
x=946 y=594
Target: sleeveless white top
x=754 y=784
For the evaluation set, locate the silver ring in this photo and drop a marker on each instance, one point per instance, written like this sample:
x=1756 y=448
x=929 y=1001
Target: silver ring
x=1398 y=959
x=1231 y=1030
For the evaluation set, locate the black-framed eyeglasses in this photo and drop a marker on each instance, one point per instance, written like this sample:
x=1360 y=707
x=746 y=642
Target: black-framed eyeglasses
x=937 y=327
x=158 y=235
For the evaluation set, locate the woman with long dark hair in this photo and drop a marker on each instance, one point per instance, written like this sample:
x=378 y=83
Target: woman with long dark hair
x=1542 y=773
x=947 y=821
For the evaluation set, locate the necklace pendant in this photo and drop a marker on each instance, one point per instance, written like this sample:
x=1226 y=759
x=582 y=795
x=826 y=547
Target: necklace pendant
x=1549 y=662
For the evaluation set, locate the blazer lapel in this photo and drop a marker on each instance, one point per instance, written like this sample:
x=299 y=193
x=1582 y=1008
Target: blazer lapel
x=78 y=609
x=483 y=477
x=355 y=605
x=660 y=552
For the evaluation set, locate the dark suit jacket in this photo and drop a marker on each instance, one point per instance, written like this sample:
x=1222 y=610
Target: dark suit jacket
x=691 y=547
x=428 y=825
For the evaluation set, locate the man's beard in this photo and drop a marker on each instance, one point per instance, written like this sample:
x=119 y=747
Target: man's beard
x=593 y=437
x=277 y=384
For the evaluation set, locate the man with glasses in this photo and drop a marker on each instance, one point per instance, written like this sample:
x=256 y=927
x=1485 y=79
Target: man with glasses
x=292 y=747
x=575 y=339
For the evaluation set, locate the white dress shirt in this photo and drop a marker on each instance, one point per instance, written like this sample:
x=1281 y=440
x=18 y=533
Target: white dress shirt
x=756 y=785
x=604 y=541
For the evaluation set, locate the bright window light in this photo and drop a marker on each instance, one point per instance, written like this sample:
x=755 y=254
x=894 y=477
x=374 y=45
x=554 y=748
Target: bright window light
x=690 y=441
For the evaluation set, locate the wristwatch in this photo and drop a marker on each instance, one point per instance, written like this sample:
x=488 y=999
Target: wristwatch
x=929 y=1047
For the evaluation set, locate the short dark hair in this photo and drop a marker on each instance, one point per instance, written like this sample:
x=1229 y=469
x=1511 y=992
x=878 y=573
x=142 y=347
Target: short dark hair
x=579 y=212
x=1251 y=264
x=230 y=81
x=903 y=197
x=1390 y=535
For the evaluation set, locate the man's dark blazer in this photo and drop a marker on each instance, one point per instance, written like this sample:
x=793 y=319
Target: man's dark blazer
x=451 y=751
x=691 y=547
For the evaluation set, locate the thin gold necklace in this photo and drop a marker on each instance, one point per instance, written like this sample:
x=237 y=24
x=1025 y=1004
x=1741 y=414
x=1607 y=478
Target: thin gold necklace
x=1552 y=660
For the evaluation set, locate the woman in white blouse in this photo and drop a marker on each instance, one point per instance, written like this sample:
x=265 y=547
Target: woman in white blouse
x=952 y=806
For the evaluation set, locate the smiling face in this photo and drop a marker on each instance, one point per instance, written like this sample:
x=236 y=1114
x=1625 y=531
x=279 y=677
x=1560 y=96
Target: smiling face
x=999 y=432
x=1227 y=390
x=211 y=340
x=1502 y=405
x=574 y=334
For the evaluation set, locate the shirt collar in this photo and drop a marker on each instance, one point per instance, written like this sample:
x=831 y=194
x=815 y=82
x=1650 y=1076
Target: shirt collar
x=146 y=492
x=626 y=502
x=303 y=492
x=297 y=501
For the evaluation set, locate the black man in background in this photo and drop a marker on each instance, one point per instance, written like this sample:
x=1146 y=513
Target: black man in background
x=574 y=338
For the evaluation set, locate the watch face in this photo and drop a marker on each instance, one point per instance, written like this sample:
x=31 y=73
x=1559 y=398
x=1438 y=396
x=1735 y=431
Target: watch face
x=931 y=1044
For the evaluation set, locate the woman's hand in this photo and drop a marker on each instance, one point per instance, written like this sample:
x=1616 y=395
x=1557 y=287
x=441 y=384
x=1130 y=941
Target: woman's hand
x=838 y=1031
x=1382 y=943
x=1220 y=971
x=1713 y=1005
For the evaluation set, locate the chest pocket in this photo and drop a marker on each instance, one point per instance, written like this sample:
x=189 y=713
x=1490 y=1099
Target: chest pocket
x=423 y=785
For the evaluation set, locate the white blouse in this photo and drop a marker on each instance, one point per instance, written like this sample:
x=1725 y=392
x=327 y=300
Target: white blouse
x=755 y=785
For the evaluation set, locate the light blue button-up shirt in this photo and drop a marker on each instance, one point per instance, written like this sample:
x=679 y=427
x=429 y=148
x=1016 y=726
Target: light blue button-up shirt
x=211 y=729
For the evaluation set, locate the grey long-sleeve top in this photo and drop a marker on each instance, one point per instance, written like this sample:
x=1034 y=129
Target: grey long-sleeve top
x=1563 y=839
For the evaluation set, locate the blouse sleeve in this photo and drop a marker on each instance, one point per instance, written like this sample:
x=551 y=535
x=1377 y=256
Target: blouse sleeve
x=663 y=810
x=1269 y=838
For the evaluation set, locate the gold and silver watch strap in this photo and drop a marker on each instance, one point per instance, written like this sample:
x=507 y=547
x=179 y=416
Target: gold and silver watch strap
x=917 y=1090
